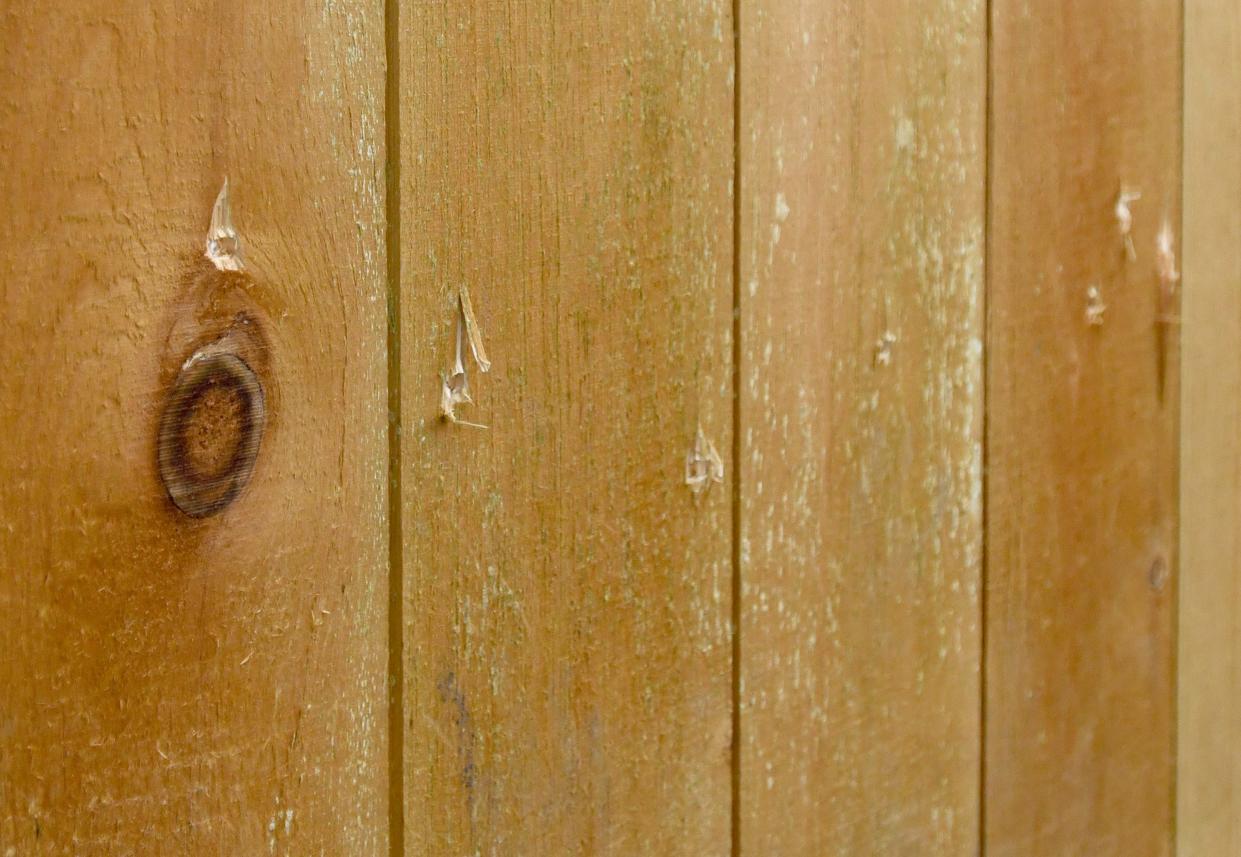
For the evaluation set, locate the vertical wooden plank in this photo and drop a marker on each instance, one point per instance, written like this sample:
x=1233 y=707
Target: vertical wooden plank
x=1082 y=411
x=862 y=204
x=211 y=686
x=567 y=647
x=1209 y=772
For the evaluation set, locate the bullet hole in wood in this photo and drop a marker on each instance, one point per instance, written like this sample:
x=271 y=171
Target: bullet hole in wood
x=210 y=432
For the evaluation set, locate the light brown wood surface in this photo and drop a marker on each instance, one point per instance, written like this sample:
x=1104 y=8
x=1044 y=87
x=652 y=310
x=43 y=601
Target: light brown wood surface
x=1081 y=439
x=862 y=205
x=170 y=685
x=1209 y=728
x=566 y=601
x=939 y=465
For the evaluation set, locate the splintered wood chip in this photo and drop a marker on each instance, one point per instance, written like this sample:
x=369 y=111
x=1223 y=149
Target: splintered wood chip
x=472 y=332
x=456 y=383
x=703 y=466
x=223 y=242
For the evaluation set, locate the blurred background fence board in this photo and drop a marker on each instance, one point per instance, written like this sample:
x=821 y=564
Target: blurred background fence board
x=861 y=393
x=1209 y=722
x=1082 y=402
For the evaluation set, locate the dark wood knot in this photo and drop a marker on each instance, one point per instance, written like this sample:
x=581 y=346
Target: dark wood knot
x=210 y=432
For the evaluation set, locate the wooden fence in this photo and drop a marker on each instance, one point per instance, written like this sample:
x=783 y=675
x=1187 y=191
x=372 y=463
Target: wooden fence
x=647 y=427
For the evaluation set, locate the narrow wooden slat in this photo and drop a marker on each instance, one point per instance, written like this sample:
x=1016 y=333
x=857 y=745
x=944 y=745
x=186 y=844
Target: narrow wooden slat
x=172 y=685
x=1209 y=627
x=862 y=202
x=567 y=655
x=1082 y=413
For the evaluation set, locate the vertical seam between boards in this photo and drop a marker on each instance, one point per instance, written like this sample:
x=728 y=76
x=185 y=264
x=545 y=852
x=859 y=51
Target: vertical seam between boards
x=395 y=629
x=985 y=368
x=735 y=750
x=1175 y=510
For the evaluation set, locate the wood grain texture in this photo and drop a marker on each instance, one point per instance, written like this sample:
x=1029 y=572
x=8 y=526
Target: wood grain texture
x=1209 y=627
x=862 y=204
x=1082 y=460
x=171 y=685
x=567 y=647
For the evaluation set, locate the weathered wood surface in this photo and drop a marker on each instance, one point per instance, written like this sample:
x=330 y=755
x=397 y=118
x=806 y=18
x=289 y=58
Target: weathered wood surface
x=172 y=685
x=563 y=599
x=1082 y=407
x=862 y=206
x=1209 y=627
x=567 y=602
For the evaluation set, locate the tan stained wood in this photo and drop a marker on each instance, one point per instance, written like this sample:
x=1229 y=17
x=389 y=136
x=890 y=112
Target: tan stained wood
x=567 y=601
x=174 y=685
x=1081 y=441
x=1209 y=729
x=862 y=205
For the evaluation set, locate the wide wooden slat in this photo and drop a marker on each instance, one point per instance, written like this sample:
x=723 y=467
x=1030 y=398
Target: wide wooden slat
x=1082 y=413
x=172 y=685
x=1209 y=627
x=566 y=605
x=862 y=201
